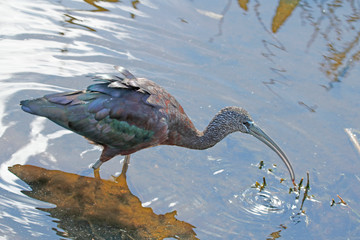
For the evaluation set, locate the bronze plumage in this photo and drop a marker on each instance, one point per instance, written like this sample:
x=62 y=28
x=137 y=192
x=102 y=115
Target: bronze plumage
x=127 y=114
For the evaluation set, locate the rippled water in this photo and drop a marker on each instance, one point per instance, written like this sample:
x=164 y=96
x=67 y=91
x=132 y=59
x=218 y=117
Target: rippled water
x=294 y=65
x=261 y=203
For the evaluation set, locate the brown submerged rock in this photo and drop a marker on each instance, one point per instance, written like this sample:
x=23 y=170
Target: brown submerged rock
x=89 y=208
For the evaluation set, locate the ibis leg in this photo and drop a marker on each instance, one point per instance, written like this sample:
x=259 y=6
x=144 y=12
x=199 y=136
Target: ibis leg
x=96 y=167
x=122 y=177
x=97 y=164
x=107 y=154
x=126 y=164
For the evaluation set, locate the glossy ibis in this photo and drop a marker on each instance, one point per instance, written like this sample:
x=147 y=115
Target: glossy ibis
x=126 y=114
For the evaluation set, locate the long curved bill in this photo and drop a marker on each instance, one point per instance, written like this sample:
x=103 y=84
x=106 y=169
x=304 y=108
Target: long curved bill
x=262 y=136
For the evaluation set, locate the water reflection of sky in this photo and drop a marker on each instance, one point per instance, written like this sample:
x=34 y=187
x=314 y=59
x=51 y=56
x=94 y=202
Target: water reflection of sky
x=292 y=64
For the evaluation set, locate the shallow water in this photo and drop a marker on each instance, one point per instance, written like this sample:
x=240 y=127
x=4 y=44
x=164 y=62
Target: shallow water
x=294 y=65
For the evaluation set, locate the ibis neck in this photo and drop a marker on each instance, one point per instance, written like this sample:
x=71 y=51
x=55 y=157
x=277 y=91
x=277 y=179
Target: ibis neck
x=219 y=127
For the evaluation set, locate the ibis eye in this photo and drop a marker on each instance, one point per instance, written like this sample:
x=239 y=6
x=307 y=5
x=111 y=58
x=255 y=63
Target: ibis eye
x=247 y=124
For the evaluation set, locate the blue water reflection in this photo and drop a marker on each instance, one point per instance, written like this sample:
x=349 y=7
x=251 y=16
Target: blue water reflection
x=292 y=64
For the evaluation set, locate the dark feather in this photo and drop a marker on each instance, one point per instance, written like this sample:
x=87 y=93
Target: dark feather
x=126 y=114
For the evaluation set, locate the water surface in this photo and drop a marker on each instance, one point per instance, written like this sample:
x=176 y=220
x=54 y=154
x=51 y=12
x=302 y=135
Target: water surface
x=294 y=65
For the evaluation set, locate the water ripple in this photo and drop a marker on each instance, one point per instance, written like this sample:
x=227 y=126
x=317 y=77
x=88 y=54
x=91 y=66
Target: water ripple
x=268 y=201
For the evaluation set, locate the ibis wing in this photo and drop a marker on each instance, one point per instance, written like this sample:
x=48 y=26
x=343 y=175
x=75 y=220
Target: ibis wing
x=125 y=113
x=116 y=117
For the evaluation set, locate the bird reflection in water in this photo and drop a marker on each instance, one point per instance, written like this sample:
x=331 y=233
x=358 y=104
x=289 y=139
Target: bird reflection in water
x=92 y=208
